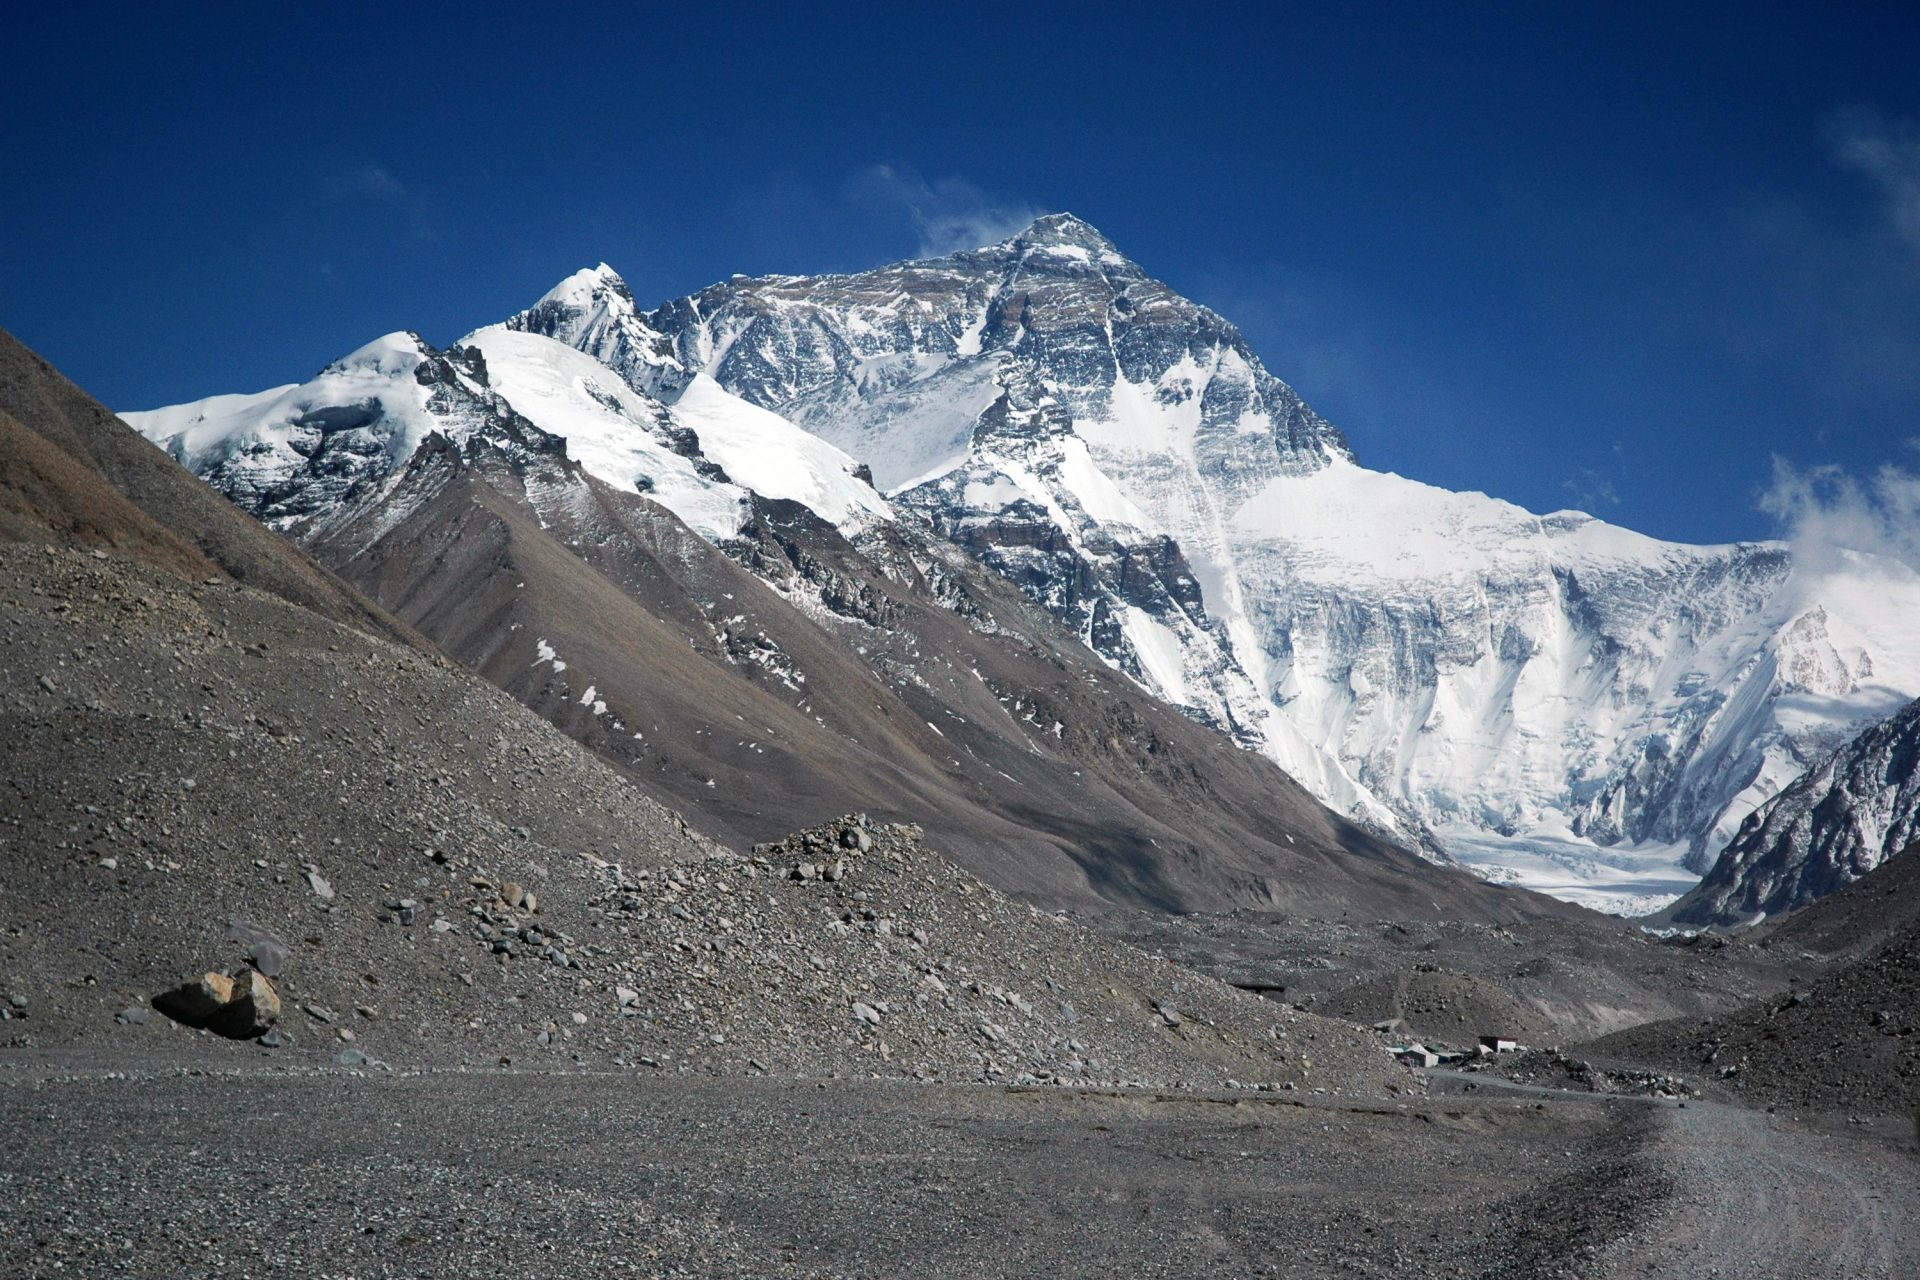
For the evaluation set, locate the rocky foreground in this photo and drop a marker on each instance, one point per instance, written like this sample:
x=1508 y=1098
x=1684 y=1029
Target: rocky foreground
x=203 y=779
x=576 y=1174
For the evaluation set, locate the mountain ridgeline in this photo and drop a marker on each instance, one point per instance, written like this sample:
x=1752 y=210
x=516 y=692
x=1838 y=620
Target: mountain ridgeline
x=961 y=531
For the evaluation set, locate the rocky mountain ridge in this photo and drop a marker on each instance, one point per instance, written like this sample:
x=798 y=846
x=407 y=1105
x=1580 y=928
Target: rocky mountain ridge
x=1836 y=823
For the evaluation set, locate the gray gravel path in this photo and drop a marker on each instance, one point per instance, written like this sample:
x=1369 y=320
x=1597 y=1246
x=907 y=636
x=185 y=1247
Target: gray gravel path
x=457 y=1174
x=1759 y=1196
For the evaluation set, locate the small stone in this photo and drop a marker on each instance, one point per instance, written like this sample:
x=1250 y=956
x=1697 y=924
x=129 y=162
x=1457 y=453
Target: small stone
x=134 y=1017
x=512 y=894
x=345 y=1033
x=269 y=957
x=866 y=1013
x=17 y=1001
x=110 y=864
x=277 y=1039
x=626 y=995
x=318 y=883
x=835 y=872
x=579 y=1019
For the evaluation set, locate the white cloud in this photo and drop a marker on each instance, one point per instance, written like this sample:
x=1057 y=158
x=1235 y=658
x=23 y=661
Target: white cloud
x=1591 y=490
x=1826 y=509
x=1886 y=151
x=363 y=181
x=948 y=214
x=348 y=181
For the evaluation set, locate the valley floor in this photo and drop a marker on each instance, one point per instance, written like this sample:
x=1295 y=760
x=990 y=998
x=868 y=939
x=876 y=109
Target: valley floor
x=172 y=1171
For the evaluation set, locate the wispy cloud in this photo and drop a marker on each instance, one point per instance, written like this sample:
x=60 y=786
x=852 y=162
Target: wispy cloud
x=342 y=181
x=362 y=181
x=1886 y=151
x=1826 y=510
x=948 y=214
x=1591 y=490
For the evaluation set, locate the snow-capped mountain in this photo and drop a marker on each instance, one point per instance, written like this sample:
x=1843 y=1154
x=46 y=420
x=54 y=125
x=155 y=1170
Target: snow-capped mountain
x=721 y=604
x=1562 y=701
x=1834 y=824
x=1552 y=699
x=294 y=453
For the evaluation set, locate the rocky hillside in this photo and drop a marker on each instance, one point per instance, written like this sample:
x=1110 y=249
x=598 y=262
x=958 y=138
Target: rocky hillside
x=1856 y=919
x=75 y=474
x=196 y=771
x=1849 y=1040
x=404 y=865
x=1833 y=825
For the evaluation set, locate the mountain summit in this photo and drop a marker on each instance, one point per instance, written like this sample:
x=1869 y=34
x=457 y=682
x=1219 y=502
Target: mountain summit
x=1065 y=231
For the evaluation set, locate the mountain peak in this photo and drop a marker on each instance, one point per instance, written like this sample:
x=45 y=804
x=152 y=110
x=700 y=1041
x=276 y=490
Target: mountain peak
x=587 y=283
x=1054 y=230
x=391 y=355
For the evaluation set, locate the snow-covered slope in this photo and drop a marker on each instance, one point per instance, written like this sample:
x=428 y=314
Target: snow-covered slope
x=1560 y=700
x=292 y=454
x=1834 y=824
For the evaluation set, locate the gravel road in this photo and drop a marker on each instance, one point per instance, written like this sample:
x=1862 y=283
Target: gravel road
x=266 y=1173
x=1759 y=1196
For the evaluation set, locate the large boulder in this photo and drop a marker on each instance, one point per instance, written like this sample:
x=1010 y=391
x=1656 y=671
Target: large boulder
x=240 y=1006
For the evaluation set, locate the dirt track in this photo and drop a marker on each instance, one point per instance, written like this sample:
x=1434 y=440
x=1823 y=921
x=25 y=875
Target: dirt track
x=452 y=1174
x=1759 y=1196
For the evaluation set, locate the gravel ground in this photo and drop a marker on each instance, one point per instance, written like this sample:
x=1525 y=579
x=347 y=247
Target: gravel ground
x=185 y=770
x=1543 y=982
x=1757 y=1196
x=263 y=1173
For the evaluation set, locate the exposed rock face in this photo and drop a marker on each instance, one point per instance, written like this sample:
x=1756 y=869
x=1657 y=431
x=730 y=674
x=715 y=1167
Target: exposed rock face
x=1837 y=822
x=241 y=1006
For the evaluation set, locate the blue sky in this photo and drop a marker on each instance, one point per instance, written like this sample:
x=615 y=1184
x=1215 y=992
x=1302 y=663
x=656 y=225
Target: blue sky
x=1618 y=260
